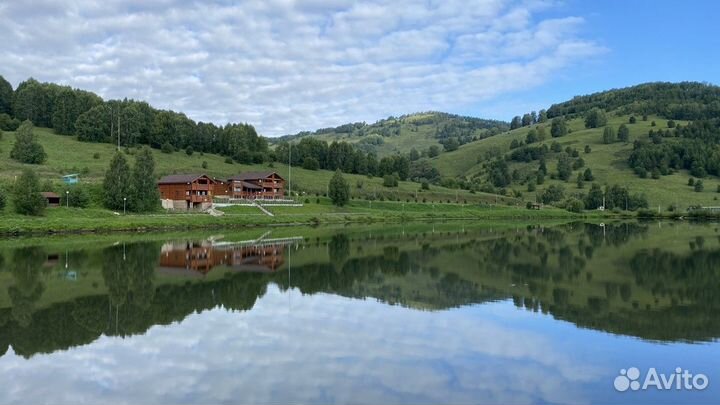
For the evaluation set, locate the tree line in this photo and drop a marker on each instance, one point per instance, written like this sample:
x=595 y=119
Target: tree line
x=70 y=111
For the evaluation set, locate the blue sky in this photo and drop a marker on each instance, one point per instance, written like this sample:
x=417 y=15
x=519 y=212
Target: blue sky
x=292 y=65
x=645 y=41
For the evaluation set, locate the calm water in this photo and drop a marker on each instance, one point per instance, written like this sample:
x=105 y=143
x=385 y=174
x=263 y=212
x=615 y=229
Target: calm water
x=415 y=314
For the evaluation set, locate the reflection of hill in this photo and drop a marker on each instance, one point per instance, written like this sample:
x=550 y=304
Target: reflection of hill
x=591 y=276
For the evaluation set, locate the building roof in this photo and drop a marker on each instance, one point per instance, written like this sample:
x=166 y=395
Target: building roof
x=49 y=194
x=250 y=185
x=182 y=178
x=254 y=175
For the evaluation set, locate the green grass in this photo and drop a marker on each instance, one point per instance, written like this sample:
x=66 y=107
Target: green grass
x=75 y=220
x=67 y=155
x=608 y=163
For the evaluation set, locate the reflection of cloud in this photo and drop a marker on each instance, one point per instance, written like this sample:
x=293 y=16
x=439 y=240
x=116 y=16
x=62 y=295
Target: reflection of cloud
x=286 y=65
x=318 y=349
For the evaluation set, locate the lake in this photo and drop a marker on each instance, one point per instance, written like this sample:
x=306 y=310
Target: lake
x=421 y=313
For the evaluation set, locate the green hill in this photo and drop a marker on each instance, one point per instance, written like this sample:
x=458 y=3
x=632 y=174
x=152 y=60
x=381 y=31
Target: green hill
x=68 y=155
x=694 y=108
x=418 y=131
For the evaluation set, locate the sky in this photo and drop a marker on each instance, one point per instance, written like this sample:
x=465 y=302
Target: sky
x=289 y=65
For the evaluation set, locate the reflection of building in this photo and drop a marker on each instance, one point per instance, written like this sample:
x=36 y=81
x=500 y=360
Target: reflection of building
x=198 y=258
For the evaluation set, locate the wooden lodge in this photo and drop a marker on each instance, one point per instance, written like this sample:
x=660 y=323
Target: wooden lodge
x=187 y=191
x=256 y=185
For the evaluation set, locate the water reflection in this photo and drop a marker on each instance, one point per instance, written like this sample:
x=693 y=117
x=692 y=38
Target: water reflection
x=439 y=306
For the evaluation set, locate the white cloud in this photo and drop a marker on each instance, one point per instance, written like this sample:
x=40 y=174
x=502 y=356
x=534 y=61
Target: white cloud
x=293 y=348
x=287 y=65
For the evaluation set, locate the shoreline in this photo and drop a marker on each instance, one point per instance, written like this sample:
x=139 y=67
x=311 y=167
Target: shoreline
x=69 y=222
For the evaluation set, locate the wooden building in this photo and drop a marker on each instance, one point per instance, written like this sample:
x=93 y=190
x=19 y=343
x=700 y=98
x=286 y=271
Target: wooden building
x=187 y=191
x=256 y=185
x=196 y=259
x=52 y=199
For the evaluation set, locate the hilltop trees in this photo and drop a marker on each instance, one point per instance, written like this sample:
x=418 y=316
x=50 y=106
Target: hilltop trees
x=27 y=199
x=339 y=189
x=26 y=148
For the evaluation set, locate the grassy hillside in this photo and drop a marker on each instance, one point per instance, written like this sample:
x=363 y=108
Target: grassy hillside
x=67 y=155
x=608 y=163
x=402 y=134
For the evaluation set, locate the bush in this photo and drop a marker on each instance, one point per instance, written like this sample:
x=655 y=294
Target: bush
x=552 y=194
x=310 y=163
x=228 y=160
x=96 y=155
x=575 y=205
x=26 y=148
x=699 y=187
x=691 y=182
x=189 y=151
x=390 y=180
x=204 y=164
x=76 y=196
x=632 y=119
x=167 y=148
x=426 y=186
x=26 y=194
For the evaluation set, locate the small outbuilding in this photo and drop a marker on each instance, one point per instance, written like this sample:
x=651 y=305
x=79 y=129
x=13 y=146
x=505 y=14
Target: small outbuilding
x=53 y=200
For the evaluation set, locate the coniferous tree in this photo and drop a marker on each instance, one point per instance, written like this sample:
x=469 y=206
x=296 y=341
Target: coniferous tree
x=623 y=133
x=116 y=184
x=145 y=196
x=608 y=135
x=27 y=199
x=339 y=189
x=26 y=148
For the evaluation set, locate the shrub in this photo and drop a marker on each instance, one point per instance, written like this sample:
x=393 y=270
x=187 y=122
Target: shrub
x=204 y=164
x=26 y=148
x=26 y=194
x=189 y=151
x=96 y=155
x=228 y=160
x=575 y=205
x=632 y=119
x=390 y=180
x=426 y=186
x=167 y=148
x=699 y=187
x=310 y=163
x=76 y=196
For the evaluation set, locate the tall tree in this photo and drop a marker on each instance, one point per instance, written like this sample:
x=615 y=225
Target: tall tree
x=516 y=122
x=144 y=192
x=26 y=148
x=117 y=184
x=6 y=96
x=27 y=199
x=339 y=189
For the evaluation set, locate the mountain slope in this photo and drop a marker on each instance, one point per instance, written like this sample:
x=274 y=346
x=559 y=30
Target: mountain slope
x=401 y=134
x=665 y=104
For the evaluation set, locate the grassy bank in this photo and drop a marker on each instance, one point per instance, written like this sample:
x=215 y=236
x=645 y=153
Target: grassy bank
x=317 y=211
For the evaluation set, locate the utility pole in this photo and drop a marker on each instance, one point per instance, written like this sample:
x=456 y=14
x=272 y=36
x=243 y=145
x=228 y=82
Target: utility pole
x=118 y=132
x=290 y=169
